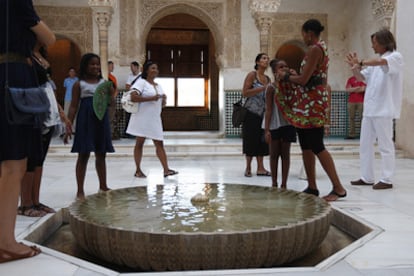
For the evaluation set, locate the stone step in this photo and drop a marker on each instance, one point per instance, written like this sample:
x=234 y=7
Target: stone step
x=209 y=148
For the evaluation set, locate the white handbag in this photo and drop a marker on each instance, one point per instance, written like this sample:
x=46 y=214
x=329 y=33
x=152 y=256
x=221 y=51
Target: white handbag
x=128 y=105
x=54 y=118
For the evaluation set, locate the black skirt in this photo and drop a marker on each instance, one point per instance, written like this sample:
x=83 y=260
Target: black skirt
x=16 y=141
x=253 y=136
x=92 y=134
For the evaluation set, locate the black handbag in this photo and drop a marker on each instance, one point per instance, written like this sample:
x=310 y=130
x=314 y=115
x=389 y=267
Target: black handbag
x=26 y=106
x=23 y=106
x=239 y=113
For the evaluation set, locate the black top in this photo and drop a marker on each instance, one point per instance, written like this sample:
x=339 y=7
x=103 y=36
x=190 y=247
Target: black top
x=22 y=17
x=42 y=73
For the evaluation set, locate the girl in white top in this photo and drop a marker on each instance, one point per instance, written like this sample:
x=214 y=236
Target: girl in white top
x=92 y=134
x=146 y=123
x=279 y=134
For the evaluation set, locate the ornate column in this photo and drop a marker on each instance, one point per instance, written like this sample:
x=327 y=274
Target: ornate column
x=383 y=11
x=102 y=13
x=263 y=11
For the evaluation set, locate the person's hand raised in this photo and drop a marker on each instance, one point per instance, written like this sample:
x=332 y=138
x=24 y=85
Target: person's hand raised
x=352 y=59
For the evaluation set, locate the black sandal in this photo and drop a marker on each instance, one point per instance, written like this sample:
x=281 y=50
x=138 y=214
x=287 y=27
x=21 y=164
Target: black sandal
x=310 y=191
x=333 y=193
x=140 y=174
x=45 y=208
x=170 y=172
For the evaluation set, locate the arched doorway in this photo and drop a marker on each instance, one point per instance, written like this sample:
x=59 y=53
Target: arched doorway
x=183 y=47
x=62 y=55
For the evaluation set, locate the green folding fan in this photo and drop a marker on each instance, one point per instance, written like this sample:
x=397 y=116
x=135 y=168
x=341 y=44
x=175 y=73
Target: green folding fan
x=101 y=99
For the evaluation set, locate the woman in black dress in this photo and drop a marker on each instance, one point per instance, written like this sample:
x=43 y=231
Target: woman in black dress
x=25 y=29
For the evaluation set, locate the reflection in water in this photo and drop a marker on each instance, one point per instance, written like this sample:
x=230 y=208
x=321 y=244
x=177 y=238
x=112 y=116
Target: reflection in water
x=168 y=208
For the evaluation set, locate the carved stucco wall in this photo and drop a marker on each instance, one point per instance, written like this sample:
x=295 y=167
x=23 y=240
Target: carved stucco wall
x=221 y=17
x=74 y=23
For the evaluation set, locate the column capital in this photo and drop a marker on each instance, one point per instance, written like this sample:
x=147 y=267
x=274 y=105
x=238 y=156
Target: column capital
x=383 y=11
x=270 y=6
x=263 y=12
x=264 y=23
x=101 y=3
x=102 y=11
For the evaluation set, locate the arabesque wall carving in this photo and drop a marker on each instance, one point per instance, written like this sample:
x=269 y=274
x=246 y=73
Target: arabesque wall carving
x=222 y=18
x=74 y=23
x=383 y=11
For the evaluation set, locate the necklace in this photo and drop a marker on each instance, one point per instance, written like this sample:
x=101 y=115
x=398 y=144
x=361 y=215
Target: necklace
x=261 y=78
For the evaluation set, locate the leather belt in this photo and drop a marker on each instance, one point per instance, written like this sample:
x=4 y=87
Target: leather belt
x=13 y=58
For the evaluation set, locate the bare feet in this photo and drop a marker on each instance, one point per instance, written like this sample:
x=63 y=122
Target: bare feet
x=103 y=191
x=80 y=196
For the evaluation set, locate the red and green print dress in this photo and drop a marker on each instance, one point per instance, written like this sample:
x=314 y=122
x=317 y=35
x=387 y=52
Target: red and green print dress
x=306 y=106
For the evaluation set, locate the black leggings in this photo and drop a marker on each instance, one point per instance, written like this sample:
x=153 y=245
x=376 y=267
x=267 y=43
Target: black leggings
x=311 y=139
x=37 y=158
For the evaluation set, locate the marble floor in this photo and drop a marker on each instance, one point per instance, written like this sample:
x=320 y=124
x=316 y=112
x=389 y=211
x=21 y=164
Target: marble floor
x=391 y=252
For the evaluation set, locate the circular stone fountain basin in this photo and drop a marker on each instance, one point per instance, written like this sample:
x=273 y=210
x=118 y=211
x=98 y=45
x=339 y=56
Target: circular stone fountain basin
x=160 y=228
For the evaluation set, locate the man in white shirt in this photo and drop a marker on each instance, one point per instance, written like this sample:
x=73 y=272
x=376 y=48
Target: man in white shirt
x=132 y=78
x=382 y=104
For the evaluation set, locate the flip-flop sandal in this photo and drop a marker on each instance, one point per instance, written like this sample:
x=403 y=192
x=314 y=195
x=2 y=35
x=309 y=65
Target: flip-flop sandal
x=333 y=193
x=140 y=175
x=310 y=191
x=8 y=256
x=264 y=174
x=247 y=174
x=170 y=172
x=30 y=211
x=44 y=208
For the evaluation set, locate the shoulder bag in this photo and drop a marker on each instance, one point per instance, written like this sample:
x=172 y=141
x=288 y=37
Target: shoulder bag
x=128 y=105
x=23 y=106
x=239 y=113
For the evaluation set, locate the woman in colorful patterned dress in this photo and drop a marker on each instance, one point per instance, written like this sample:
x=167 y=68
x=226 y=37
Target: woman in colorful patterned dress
x=305 y=106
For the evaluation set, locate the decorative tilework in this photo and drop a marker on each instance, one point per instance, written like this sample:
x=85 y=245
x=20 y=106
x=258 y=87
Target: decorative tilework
x=339 y=114
x=231 y=97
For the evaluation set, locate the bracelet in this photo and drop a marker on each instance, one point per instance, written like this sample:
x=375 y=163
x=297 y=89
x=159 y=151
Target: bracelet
x=286 y=77
x=361 y=63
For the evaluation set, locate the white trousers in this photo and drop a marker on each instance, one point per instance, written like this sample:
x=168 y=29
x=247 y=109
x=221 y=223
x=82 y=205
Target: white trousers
x=381 y=129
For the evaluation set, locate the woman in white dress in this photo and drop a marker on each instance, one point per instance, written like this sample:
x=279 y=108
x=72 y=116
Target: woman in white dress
x=146 y=123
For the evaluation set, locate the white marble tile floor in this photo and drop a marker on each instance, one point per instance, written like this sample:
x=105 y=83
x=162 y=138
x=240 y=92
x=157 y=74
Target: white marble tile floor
x=391 y=252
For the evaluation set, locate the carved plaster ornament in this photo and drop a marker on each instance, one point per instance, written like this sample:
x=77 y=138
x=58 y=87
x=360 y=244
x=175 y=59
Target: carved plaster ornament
x=263 y=12
x=264 y=5
x=102 y=12
x=383 y=11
